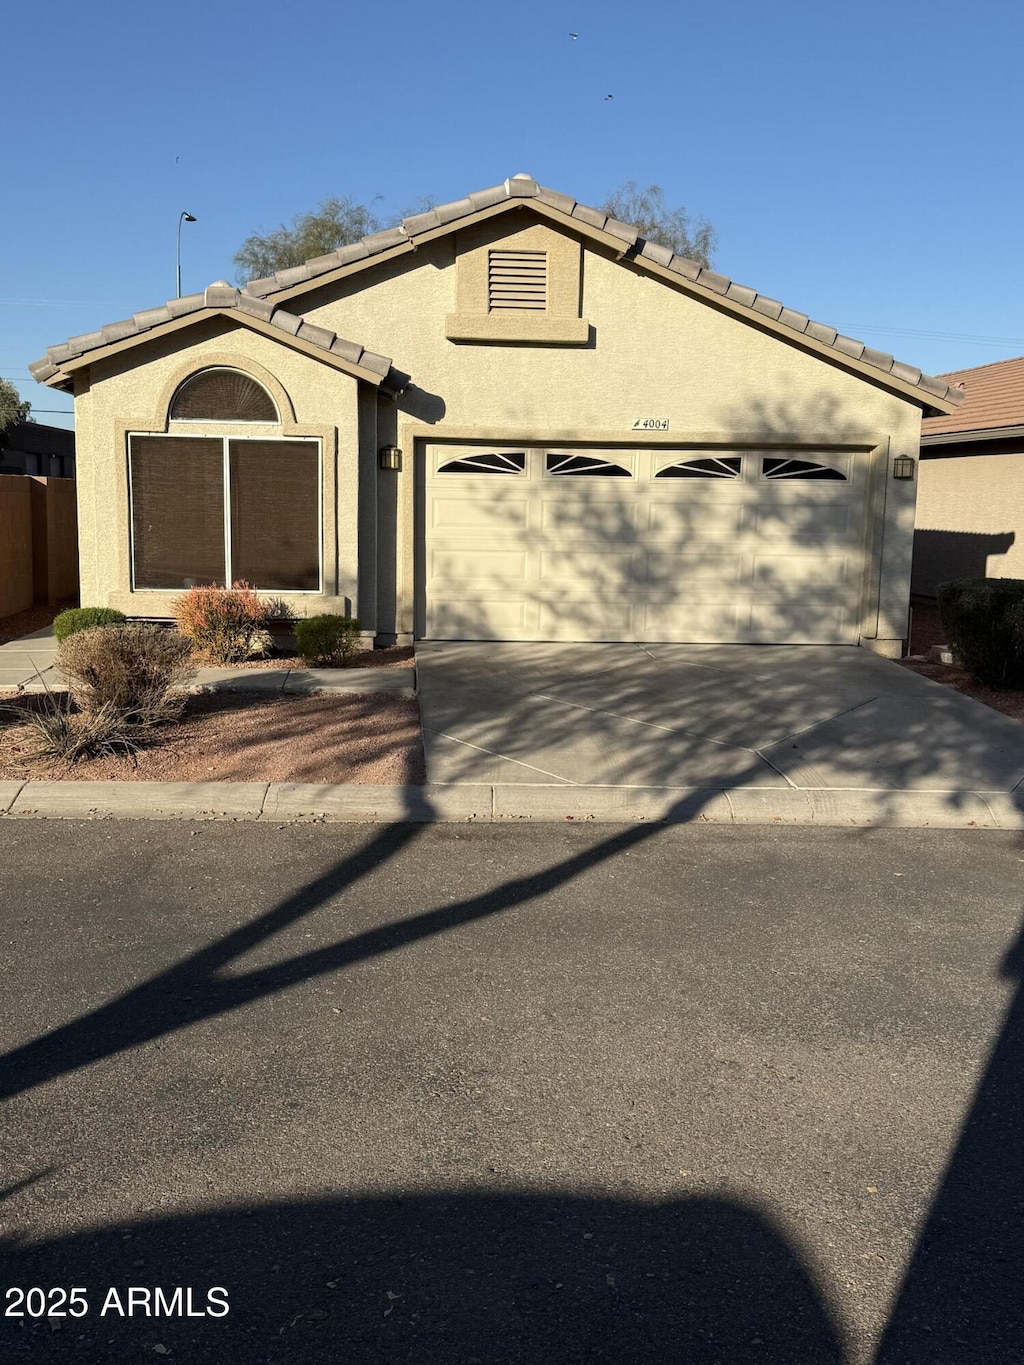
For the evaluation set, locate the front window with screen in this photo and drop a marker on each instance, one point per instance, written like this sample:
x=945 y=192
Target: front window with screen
x=214 y=510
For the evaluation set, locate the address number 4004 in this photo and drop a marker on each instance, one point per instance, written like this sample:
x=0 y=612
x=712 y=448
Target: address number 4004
x=650 y=424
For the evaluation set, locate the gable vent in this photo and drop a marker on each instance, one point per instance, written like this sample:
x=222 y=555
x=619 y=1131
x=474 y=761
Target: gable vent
x=517 y=280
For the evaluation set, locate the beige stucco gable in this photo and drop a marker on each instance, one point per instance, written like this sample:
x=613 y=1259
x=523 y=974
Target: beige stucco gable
x=650 y=349
x=130 y=393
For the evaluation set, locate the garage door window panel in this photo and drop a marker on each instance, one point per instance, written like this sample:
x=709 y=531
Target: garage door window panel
x=487 y=462
x=773 y=467
x=705 y=467
x=585 y=466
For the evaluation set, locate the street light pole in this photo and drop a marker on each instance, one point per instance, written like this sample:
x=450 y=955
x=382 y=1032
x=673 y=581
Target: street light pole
x=184 y=217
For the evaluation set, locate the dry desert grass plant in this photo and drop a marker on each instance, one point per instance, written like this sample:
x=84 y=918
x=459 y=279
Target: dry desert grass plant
x=124 y=682
x=61 y=733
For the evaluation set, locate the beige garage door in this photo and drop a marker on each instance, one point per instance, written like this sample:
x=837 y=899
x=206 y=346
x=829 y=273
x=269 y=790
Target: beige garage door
x=527 y=543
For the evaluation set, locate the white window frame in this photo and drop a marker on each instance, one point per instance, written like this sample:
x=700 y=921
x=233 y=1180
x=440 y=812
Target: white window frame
x=226 y=475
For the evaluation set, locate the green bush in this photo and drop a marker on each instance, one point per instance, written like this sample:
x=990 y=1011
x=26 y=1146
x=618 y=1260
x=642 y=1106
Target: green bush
x=327 y=641
x=138 y=673
x=84 y=618
x=984 y=623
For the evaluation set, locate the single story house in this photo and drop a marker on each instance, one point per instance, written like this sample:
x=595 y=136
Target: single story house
x=509 y=418
x=36 y=448
x=970 y=502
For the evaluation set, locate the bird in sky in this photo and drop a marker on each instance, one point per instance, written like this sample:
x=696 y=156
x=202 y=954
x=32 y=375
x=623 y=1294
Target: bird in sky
x=609 y=97
x=574 y=36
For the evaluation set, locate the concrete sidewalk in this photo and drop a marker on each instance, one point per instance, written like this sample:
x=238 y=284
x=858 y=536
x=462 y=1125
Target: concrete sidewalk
x=28 y=664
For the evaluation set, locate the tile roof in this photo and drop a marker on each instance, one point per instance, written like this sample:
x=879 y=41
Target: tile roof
x=253 y=299
x=520 y=187
x=993 y=398
x=219 y=297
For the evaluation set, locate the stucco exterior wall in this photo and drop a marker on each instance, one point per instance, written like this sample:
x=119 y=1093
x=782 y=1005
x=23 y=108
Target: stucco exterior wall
x=970 y=519
x=131 y=393
x=652 y=351
x=642 y=348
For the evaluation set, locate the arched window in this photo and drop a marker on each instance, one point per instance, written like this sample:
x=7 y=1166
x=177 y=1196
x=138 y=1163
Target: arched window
x=222 y=395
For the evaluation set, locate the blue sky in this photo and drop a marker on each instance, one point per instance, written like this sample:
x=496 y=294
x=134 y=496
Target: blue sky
x=861 y=163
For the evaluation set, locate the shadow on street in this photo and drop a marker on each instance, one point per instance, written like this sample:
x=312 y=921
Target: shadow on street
x=962 y=1299
x=481 y=1277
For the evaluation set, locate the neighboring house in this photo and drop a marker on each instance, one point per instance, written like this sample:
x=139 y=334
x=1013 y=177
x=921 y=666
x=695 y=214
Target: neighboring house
x=970 y=502
x=507 y=419
x=34 y=448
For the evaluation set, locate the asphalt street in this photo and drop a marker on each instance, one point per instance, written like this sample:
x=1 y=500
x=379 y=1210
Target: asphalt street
x=505 y=1094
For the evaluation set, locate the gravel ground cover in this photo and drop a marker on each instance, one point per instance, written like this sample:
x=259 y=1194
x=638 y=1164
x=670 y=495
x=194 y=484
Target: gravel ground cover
x=927 y=630
x=396 y=656
x=250 y=737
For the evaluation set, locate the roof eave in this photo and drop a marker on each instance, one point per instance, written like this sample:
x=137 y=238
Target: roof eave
x=63 y=377
x=977 y=434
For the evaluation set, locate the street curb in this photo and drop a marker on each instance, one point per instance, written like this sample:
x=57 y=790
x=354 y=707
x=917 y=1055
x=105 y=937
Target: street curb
x=140 y=800
x=509 y=803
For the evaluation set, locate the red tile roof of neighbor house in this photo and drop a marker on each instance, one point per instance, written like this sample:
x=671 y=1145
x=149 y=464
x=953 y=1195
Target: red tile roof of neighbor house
x=993 y=398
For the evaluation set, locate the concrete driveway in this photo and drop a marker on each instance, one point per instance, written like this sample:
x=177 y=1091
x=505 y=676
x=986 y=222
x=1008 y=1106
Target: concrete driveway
x=705 y=716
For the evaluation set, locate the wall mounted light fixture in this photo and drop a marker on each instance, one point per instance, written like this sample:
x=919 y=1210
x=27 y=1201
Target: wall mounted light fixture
x=903 y=467
x=390 y=457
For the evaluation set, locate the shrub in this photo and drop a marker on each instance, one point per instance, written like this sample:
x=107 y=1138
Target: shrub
x=138 y=673
x=984 y=623
x=84 y=618
x=327 y=641
x=226 y=625
x=62 y=732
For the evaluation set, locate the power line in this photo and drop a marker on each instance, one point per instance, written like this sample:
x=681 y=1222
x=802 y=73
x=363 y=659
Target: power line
x=922 y=335
x=50 y=303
